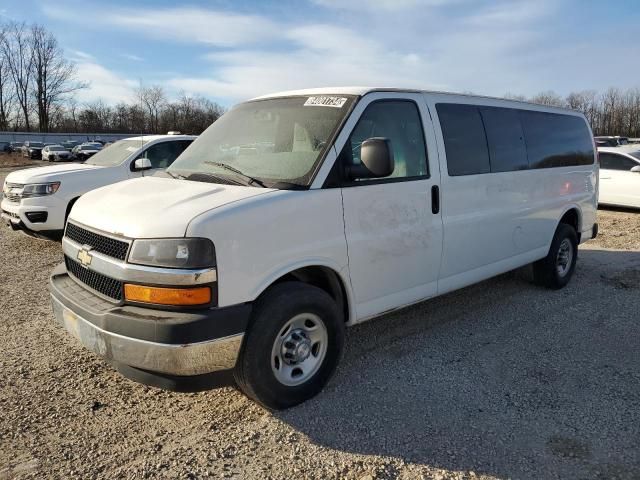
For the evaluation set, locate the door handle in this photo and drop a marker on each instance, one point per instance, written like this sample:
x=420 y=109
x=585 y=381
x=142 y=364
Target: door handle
x=435 y=199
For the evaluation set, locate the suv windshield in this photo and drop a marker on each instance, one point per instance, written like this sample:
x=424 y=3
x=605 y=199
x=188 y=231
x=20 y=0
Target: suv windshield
x=36 y=144
x=115 y=153
x=278 y=140
x=55 y=148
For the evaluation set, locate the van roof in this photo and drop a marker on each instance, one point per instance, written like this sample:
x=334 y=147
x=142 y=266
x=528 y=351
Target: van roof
x=360 y=91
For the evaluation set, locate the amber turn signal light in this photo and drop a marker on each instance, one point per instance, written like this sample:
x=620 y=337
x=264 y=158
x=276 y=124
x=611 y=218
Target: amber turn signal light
x=167 y=296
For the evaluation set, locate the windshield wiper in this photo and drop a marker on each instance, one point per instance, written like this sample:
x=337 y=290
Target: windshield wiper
x=175 y=175
x=213 y=178
x=250 y=179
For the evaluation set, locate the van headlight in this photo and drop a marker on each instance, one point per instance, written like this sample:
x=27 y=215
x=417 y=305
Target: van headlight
x=39 y=189
x=174 y=253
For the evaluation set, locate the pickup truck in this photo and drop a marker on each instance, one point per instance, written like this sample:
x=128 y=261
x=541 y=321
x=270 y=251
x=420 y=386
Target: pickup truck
x=38 y=200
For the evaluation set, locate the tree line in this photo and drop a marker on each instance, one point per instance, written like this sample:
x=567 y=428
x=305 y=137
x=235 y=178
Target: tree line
x=38 y=86
x=613 y=112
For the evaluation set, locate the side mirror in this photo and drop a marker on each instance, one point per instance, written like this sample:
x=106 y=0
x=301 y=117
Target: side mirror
x=636 y=169
x=141 y=164
x=376 y=157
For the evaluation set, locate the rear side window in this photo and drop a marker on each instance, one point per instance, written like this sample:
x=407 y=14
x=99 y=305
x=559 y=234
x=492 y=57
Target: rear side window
x=464 y=139
x=555 y=140
x=611 y=161
x=507 y=148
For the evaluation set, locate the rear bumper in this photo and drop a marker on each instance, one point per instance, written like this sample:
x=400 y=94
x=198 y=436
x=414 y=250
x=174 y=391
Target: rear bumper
x=176 y=343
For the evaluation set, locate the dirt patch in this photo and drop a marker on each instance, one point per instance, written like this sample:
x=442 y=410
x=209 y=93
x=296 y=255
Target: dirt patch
x=619 y=229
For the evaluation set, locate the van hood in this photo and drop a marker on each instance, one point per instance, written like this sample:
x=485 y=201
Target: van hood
x=154 y=207
x=51 y=173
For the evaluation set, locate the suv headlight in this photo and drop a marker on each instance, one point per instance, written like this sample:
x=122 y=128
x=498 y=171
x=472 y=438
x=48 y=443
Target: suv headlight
x=174 y=253
x=40 y=189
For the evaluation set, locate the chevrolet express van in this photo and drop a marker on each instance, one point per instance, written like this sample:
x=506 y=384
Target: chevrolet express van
x=298 y=214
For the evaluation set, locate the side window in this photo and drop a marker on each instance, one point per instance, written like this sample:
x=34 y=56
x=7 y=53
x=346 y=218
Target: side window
x=464 y=139
x=180 y=146
x=611 y=161
x=555 y=140
x=163 y=154
x=399 y=121
x=507 y=149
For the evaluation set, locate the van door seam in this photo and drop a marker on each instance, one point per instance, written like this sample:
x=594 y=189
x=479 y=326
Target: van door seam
x=344 y=231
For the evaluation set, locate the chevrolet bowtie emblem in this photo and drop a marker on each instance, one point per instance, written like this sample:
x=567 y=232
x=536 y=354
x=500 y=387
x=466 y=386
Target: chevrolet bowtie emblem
x=85 y=257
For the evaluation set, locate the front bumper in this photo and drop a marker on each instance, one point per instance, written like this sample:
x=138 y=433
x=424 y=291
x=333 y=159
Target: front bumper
x=177 y=343
x=15 y=214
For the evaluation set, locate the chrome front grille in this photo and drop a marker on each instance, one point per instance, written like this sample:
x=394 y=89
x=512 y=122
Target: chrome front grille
x=109 y=287
x=112 y=247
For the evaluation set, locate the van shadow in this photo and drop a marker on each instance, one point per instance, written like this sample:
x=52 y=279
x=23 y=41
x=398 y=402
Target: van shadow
x=502 y=378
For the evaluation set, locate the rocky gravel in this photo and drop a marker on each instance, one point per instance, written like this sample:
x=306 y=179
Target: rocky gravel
x=499 y=380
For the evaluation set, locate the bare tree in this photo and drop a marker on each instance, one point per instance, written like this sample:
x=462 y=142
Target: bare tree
x=6 y=91
x=549 y=98
x=54 y=77
x=18 y=54
x=152 y=99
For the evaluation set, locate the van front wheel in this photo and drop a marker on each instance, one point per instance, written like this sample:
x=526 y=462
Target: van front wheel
x=292 y=347
x=556 y=269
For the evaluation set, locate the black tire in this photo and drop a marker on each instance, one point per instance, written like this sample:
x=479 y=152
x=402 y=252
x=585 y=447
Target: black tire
x=280 y=303
x=546 y=272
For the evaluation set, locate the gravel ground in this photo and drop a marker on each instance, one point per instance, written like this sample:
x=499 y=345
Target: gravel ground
x=499 y=380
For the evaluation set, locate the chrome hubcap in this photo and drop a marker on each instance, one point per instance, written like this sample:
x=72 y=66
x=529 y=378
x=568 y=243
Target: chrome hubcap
x=564 y=257
x=299 y=349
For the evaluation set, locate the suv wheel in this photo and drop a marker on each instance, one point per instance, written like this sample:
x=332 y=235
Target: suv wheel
x=556 y=269
x=292 y=347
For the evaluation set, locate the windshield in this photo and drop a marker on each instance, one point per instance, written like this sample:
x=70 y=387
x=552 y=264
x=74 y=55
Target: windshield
x=36 y=144
x=635 y=154
x=279 y=140
x=115 y=153
x=57 y=149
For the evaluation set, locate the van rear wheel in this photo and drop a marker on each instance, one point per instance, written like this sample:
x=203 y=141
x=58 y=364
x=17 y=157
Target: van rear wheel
x=292 y=347
x=556 y=269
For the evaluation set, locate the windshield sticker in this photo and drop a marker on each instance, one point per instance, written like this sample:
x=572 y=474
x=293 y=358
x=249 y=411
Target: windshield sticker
x=335 y=102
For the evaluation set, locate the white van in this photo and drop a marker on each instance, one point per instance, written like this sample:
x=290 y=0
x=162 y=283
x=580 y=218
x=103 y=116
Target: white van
x=299 y=213
x=38 y=200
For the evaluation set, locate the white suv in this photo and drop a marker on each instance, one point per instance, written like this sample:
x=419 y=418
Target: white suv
x=55 y=153
x=38 y=200
x=298 y=214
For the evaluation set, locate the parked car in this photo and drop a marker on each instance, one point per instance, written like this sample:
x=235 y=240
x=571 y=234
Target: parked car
x=38 y=200
x=620 y=176
x=297 y=214
x=70 y=144
x=86 y=150
x=55 y=153
x=5 y=147
x=611 y=141
x=32 y=150
x=16 y=146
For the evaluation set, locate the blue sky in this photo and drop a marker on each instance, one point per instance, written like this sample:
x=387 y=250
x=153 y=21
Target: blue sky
x=229 y=50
